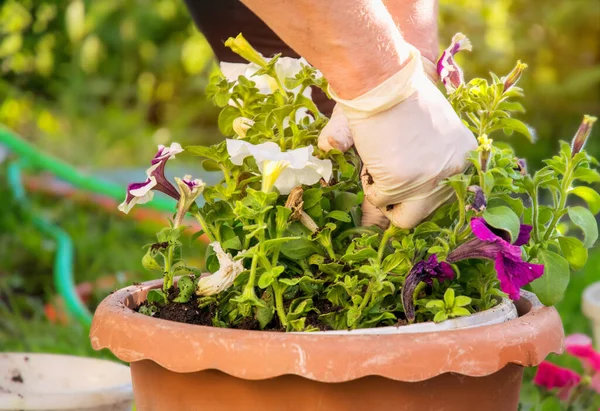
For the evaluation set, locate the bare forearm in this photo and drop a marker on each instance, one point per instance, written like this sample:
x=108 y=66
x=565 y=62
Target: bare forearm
x=354 y=43
x=417 y=21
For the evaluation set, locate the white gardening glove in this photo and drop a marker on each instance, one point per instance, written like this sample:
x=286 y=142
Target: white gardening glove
x=409 y=139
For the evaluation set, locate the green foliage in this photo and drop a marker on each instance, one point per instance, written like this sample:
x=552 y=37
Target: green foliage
x=306 y=248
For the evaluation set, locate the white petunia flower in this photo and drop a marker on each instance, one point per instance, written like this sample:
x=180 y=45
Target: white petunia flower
x=228 y=270
x=284 y=170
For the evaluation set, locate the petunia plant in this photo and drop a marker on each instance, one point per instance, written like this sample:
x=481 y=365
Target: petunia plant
x=287 y=250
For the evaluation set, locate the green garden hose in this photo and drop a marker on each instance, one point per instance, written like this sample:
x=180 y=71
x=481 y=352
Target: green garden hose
x=65 y=172
x=63 y=261
x=30 y=157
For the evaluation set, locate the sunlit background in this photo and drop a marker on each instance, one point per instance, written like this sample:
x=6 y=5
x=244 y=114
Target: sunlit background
x=100 y=83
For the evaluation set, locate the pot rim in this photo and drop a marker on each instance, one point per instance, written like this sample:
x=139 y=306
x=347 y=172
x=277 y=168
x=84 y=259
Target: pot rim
x=256 y=355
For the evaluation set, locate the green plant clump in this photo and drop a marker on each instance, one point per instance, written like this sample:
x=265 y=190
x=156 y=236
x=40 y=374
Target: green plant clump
x=288 y=250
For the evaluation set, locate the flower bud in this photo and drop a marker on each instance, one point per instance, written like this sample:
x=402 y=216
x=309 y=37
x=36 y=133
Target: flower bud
x=514 y=76
x=485 y=148
x=241 y=125
x=521 y=166
x=582 y=134
x=479 y=201
x=240 y=45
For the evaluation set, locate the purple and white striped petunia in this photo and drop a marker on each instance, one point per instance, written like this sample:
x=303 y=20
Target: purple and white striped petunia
x=493 y=244
x=450 y=73
x=140 y=193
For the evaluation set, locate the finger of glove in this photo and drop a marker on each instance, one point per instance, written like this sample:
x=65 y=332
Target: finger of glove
x=430 y=69
x=371 y=215
x=410 y=213
x=336 y=133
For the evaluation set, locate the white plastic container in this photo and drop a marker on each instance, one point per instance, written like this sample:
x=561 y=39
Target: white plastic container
x=63 y=382
x=591 y=309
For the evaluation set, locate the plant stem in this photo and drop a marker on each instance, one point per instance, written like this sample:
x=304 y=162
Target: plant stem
x=557 y=214
x=204 y=226
x=279 y=304
x=535 y=215
x=252 y=277
x=389 y=232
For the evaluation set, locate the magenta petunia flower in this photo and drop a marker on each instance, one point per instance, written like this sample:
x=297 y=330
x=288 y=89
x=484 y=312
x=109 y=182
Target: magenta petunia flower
x=423 y=271
x=580 y=346
x=552 y=376
x=140 y=193
x=492 y=244
x=449 y=72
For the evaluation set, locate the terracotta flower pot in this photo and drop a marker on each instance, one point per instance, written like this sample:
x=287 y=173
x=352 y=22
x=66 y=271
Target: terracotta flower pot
x=188 y=367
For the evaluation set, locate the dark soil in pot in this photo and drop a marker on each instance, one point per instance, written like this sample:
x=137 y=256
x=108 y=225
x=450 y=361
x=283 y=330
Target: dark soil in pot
x=191 y=313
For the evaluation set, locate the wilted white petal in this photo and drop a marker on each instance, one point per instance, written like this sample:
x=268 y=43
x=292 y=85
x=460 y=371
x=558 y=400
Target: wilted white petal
x=228 y=270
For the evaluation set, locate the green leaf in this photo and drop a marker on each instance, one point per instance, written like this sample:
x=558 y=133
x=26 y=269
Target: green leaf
x=462 y=301
x=574 y=251
x=512 y=124
x=210 y=165
x=584 y=219
x=440 y=316
x=449 y=297
x=550 y=404
x=339 y=215
x=156 y=296
x=311 y=197
x=226 y=117
x=298 y=249
x=503 y=218
x=435 y=305
x=590 y=196
x=587 y=175
x=186 y=288
x=361 y=255
x=550 y=287
x=352 y=316
x=345 y=201
x=460 y=312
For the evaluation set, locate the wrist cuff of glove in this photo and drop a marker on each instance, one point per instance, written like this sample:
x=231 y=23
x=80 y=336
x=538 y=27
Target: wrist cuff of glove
x=391 y=92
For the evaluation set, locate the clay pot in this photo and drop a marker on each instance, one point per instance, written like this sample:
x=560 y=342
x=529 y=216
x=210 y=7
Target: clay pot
x=178 y=366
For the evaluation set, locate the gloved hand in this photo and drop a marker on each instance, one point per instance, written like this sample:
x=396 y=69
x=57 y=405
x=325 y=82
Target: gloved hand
x=409 y=139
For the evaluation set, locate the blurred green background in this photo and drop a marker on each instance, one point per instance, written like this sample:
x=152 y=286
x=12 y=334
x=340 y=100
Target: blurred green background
x=100 y=83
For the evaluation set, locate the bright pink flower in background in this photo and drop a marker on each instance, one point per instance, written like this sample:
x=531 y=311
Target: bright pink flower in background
x=551 y=376
x=580 y=346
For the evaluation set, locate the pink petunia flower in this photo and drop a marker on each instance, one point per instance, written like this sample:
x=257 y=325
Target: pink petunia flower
x=493 y=244
x=580 y=346
x=551 y=376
